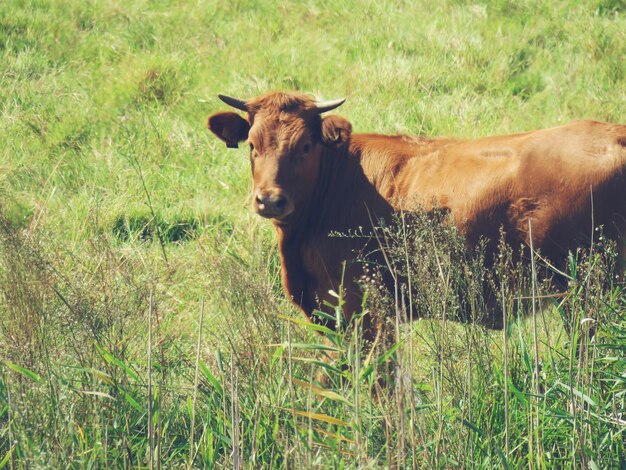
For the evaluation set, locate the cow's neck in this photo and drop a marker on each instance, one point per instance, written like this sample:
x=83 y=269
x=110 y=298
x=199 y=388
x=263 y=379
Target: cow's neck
x=385 y=160
x=312 y=255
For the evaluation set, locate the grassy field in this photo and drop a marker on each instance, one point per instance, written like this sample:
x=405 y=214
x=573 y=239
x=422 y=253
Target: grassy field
x=142 y=322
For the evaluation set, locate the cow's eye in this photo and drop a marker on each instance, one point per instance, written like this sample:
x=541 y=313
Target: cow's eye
x=251 y=147
x=306 y=148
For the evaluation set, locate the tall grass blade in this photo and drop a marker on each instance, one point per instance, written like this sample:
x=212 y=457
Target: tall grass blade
x=25 y=372
x=150 y=398
x=195 y=388
x=111 y=359
x=321 y=417
x=5 y=460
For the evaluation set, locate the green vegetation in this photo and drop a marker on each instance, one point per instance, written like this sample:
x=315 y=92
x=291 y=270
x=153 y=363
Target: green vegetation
x=122 y=219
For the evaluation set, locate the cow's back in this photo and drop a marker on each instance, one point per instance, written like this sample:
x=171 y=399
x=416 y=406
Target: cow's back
x=561 y=180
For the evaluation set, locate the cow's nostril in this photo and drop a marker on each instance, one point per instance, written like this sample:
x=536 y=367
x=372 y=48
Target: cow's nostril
x=259 y=199
x=281 y=202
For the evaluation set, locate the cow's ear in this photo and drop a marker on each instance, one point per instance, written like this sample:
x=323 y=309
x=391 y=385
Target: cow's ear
x=229 y=127
x=336 y=130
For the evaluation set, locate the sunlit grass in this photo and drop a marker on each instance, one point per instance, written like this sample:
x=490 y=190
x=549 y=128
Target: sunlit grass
x=111 y=188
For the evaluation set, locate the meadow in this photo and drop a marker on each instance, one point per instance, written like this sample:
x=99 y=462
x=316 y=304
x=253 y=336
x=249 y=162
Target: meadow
x=142 y=321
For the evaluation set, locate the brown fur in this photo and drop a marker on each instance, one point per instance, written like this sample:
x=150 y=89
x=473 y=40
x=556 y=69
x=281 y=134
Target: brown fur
x=548 y=177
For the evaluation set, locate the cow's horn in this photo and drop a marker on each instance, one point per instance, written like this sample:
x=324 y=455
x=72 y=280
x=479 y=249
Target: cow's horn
x=323 y=106
x=234 y=102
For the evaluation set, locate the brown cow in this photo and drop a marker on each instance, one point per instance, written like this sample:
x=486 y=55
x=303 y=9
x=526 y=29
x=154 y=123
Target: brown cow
x=312 y=177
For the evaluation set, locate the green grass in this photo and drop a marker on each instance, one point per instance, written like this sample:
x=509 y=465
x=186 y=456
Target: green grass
x=111 y=189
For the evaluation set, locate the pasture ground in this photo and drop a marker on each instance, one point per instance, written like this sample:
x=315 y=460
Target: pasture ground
x=125 y=226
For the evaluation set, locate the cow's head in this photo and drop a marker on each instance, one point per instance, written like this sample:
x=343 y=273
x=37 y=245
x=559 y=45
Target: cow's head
x=287 y=138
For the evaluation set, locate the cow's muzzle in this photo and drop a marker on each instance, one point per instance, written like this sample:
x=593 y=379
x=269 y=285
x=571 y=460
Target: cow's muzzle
x=272 y=205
